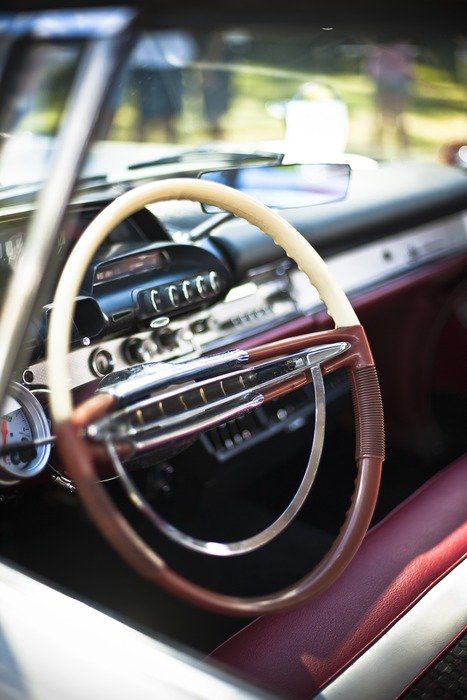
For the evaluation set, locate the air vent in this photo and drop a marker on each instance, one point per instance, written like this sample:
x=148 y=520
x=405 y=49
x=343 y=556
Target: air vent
x=287 y=413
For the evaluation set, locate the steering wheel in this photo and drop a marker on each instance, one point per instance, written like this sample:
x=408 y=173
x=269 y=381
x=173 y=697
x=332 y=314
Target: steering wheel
x=80 y=456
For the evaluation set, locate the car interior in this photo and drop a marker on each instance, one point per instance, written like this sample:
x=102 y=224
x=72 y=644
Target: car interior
x=211 y=343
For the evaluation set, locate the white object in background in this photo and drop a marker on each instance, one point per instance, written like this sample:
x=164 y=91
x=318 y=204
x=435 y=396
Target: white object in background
x=316 y=122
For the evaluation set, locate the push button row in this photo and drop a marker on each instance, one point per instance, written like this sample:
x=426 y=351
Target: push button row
x=178 y=294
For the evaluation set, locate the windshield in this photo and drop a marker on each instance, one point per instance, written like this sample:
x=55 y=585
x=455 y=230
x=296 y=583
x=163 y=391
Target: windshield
x=33 y=103
x=322 y=97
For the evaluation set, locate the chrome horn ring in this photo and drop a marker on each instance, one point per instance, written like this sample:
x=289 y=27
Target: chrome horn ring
x=249 y=544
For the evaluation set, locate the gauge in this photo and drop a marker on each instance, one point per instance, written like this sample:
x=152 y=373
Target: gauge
x=22 y=420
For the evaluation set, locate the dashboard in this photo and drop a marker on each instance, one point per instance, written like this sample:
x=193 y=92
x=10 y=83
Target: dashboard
x=152 y=294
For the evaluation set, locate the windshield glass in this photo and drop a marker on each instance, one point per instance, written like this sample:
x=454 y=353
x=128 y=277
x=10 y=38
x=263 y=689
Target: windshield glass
x=33 y=102
x=311 y=97
x=323 y=98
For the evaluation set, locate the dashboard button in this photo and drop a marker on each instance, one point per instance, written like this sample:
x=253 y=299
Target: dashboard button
x=214 y=281
x=201 y=325
x=150 y=302
x=174 y=296
x=138 y=350
x=155 y=299
x=202 y=285
x=101 y=362
x=167 y=339
x=188 y=293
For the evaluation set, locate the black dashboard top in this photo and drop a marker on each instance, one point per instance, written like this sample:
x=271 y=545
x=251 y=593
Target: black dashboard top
x=381 y=202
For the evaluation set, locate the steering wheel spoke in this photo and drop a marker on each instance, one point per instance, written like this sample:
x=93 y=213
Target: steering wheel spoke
x=193 y=406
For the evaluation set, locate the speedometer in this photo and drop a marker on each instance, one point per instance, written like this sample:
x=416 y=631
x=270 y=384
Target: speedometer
x=23 y=424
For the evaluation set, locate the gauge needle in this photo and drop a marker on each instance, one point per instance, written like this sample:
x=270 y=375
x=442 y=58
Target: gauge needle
x=4 y=434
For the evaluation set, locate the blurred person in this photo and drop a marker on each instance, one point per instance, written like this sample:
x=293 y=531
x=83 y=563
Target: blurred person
x=216 y=84
x=155 y=80
x=454 y=152
x=390 y=68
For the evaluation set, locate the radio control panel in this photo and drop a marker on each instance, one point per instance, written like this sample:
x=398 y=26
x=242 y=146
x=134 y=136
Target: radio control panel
x=267 y=299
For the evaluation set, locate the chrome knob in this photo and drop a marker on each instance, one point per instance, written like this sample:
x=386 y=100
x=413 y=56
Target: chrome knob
x=167 y=339
x=201 y=284
x=138 y=350
x=214 y=281
x=174 y=295
x=187 y=290
x=101 y=362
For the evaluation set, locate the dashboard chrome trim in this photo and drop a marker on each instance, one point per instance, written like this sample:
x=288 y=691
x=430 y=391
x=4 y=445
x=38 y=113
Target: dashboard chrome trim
x=374 y=263
x=243 y=316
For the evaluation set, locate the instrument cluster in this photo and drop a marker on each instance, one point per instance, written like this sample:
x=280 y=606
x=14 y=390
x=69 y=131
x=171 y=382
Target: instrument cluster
x=25 y=435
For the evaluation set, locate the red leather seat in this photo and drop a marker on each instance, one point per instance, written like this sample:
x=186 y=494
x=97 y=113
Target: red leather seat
x=417 y=544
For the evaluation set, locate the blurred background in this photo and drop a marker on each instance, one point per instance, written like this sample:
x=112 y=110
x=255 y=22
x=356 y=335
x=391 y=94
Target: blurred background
x=315 y=96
